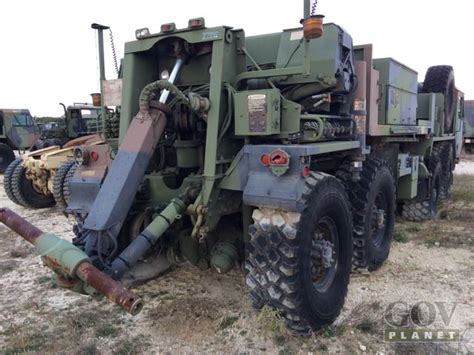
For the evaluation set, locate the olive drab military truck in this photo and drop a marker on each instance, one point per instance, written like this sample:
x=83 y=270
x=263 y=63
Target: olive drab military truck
x=469 y=127
x=39 y=178
x=18 y=131
x=287 y=153
x=79 y=120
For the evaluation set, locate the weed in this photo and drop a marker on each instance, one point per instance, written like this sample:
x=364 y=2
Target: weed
x=463 y=189
x=272 y=324
x=7 y=266
x=19 y=253
x=331 y=331
x=136 y=345
x=227 y=321
x=413 y=228
x=400 y=236
x=89 y=349
x=23 y=342
x=367 y=326
x=106 y=330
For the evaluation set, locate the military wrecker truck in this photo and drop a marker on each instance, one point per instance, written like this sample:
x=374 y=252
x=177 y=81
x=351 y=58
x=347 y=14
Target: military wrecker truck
x=18 y=131
x=469 y=127
x=287 y=153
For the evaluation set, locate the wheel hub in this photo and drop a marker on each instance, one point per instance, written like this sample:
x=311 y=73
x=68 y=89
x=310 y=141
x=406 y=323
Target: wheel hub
x=324 y=249
x=324 y=254
x=379 y=218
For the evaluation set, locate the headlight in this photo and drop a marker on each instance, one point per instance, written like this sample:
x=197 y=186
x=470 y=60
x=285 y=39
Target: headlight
x=80 y=156
x=142 y=33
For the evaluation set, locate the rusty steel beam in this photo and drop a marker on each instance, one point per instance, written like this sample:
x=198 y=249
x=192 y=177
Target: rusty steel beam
x=85 y=271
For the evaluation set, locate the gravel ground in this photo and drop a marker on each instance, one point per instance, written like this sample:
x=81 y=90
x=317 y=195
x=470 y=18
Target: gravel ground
x=192 y=311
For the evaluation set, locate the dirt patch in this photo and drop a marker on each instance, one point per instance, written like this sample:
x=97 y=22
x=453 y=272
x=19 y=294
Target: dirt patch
x=192 y=311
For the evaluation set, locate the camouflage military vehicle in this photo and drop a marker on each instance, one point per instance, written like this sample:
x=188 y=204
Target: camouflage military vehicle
x=17 y=131
x=469 y=127
x=285 y=153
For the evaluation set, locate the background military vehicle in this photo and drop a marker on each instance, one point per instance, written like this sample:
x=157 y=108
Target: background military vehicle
x=37 y=178
x=79 y=120
x=17 y=131
x=286 y=153
x=469 y=127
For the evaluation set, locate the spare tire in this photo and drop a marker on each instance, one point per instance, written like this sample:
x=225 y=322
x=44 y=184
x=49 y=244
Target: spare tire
x=440 y=79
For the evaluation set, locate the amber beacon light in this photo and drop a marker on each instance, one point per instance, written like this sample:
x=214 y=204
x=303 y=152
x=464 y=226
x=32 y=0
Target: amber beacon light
x=313 y=27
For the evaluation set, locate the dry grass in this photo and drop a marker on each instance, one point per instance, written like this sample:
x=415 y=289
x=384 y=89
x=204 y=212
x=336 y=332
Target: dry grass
x=454 y=225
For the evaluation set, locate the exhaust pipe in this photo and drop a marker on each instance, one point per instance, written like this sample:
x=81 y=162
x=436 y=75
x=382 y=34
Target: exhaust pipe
x=69 y=262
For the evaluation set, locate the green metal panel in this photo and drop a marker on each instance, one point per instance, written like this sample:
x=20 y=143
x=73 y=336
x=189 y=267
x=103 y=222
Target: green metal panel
x=191 y=36
x=290 y=117
x=257 y=113
x=323 y=50
x=408 y=170
x=469 y=119
x=324 y=58
x=264 y=48
x=399 y=92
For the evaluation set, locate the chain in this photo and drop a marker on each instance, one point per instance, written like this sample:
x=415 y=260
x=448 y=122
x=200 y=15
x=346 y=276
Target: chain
x=114 y=54
x=313 y=7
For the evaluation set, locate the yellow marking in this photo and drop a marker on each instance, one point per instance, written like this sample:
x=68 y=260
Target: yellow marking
x=88 y=173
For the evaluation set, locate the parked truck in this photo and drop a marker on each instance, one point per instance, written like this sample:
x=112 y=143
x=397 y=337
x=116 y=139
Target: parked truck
x=79 y=120
x=469 y=127
x=39 y=178
x=287 y=153
x=18 y=131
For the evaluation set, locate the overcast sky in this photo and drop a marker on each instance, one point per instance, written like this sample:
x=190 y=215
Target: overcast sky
x=49 y=53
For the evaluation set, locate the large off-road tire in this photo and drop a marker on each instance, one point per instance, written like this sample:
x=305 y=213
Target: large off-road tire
x=440 y=79
x=373 y=201
x=7 y=156
x=26 y=194
x=7 y=180
x=425 y=206
x=58 y=182
x=444 y=151
x=300 y=264
x=67 y=180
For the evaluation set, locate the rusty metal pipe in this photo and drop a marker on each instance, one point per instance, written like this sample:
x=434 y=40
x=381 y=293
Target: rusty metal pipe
x=19 y=225
x=111 y=289
x=85 y=271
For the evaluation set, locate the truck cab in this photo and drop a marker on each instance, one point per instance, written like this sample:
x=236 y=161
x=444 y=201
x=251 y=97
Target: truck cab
x=17 y=128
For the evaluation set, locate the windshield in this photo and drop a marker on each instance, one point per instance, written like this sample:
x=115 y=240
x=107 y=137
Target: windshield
x=87 y=114
x=22 y=120
x=469 y=114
